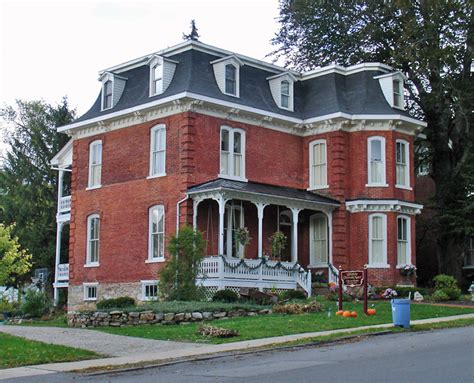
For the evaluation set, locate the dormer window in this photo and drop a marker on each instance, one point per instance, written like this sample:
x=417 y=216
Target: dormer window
x=392 y=88
x=161 y=74
x=157 y=79
x=230 y=79
x=281 y=87
x=285 y=94
x=107 y=95
x=227 y=74
x=112 y=89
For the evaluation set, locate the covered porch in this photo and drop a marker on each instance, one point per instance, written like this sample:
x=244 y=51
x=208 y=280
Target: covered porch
x=222 y=206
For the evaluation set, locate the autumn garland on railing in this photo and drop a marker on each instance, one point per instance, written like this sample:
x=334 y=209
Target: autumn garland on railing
x=263 y=261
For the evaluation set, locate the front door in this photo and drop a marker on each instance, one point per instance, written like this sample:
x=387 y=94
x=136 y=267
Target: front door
x=285 y=223
x=233 y=219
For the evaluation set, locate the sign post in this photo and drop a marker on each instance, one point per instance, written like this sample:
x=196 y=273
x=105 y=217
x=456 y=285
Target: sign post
x=353 y=278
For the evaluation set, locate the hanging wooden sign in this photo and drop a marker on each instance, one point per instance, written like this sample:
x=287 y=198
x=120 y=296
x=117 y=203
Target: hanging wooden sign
x=352 y=278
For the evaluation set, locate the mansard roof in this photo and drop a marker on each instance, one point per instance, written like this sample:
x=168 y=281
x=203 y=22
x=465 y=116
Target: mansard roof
x=318 y=93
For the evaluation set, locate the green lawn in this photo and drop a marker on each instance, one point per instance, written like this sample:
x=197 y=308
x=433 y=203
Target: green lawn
x=15 y=352
x=276 y=324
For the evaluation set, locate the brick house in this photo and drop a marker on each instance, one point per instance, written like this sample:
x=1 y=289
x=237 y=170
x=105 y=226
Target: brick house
x=199 y=135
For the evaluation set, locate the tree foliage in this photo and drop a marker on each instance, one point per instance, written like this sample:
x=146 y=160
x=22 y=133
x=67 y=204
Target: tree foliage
x=28 y=185
x=178 y=278
x=14 y=261
x=431 y=42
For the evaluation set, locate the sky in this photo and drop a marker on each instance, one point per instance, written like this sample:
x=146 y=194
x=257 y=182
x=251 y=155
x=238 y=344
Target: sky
x=51 y=49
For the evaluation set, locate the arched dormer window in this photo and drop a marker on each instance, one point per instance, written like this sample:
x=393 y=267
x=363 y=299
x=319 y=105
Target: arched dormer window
x=227 y=75
x=282 y=89
x=161 y=74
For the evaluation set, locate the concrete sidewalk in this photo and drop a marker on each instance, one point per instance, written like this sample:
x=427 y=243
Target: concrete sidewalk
x=189 y=353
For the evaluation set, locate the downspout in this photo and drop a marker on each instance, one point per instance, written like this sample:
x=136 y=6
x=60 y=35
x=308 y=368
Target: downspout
x=177 y=212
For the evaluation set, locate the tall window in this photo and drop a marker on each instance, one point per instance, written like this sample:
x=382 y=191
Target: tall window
x=376 y=161
x=319 y=240
x=230 y=79
x=397 y=93
x=156 y=251
x=318 y=164
x=378 y=240
x=158 y=150
x=285 y=94
x=107 y=95
x=93 y=240
x=157 y=78
x=95 y=164
x=403 y=241
x=402 y=169
x=232 y=153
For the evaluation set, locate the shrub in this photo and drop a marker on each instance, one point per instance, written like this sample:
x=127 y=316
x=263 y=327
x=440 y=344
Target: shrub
x=453 y=293
x=440 y=295
x=225 y=295
x=178 y=278
x=448 y=285
x=118 y=303
x=293 y=294
x=35 y=304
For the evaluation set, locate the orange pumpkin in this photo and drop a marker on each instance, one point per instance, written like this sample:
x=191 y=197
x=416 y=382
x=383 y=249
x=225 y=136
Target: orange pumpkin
x=346 y=314
x=354 y=314
x=339 y=312
x=371 y=312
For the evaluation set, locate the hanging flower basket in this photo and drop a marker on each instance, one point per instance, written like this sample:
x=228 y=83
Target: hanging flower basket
x=408 y=270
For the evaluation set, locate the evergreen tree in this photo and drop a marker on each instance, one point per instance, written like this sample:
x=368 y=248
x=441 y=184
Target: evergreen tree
x=27 y=182
x=194 y=35
x=431 y=42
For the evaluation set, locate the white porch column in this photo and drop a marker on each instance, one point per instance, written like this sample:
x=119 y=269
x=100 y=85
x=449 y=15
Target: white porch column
x=294 y=235
x=195 y=212
x=59 y=228
x=221 y=201
x=260 y=207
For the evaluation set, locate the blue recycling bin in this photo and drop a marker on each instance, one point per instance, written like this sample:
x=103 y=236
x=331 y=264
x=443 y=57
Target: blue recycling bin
x=401 y=312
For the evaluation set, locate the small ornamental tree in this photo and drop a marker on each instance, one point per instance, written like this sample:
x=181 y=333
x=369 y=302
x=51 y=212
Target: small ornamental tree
x=178 y=278
x=14 y=262
x=278 y=241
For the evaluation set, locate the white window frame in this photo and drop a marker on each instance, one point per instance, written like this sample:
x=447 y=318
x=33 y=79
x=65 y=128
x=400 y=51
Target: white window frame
x=398 y=93
x=384 y=263
x=383 y=182
x=154 y=91
x=236 y=80
x=313 y=262
x=230 y=164
x=408 y=242
x=287 y=95
x=89 y=263
x=406 y=181
x=152 y=259
x=325 y=184
x=86 y=287
x=92 y=145
x=154 y=150
x=144 y=285
x=102 y=101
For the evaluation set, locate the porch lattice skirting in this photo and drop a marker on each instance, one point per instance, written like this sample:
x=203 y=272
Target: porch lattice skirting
x=217 y=273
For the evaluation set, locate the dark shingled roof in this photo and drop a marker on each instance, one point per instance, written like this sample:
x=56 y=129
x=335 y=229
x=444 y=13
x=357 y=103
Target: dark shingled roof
x=265 y=189
x=358 y=93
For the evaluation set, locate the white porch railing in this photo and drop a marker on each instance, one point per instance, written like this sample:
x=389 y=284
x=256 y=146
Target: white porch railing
x=221 y=273
x=64 y=204
x=62 y=272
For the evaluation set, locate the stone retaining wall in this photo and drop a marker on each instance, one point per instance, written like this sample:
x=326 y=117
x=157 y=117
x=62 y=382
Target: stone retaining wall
x=132 y=318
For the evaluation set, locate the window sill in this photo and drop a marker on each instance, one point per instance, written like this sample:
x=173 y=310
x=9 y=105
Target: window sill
x=233 y=178
x=318 y=266
x=91 y=265
x=468 y=267
x=376 y=185
x=90 y=299
x=402 y=266
x=156 y=176
x=403 y=187
x=375 y=266
x=398 y=107
x=230 y=94
x=153 y=299
x=93 y=187
x=318 y=187
x=158 y=260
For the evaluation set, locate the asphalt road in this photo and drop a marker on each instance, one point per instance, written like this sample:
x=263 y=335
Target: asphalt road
x=438 y=356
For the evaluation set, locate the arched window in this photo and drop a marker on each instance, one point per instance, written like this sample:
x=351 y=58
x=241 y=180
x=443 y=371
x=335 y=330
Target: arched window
x=107 y=99
x=378 y=240
x=376 y=161
x=156 y=242
x=402 y=164
x=95 y=164
x=403 y=241
x=232 y=153
x=230 y=79
x=319 y=240
x=93 y=240
x=318 y=165
x=158 y=151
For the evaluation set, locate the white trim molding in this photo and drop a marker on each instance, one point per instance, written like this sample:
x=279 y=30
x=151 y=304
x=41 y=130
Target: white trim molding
x=361 y=206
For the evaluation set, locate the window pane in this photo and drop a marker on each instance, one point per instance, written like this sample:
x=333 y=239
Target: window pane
x=377 y=228
x=225 y=140
x=320 y=240
x=224 y=163
x=285 y=101
x=377 y=251
x=402 y=253
x=237 y=165
x=230 y=79
x=237 y=143
x=376 y=172
x=376 y=150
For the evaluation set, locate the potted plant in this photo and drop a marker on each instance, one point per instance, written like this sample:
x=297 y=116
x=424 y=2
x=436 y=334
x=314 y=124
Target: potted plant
x=242 y=238
x=407 y=270
x=278 y=241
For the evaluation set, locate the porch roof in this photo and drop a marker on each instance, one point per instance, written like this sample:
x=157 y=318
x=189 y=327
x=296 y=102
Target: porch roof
x=264 y=193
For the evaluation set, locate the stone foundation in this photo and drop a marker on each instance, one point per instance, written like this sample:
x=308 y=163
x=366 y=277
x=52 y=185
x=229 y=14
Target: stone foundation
x=132 y=318
x=75 y=301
